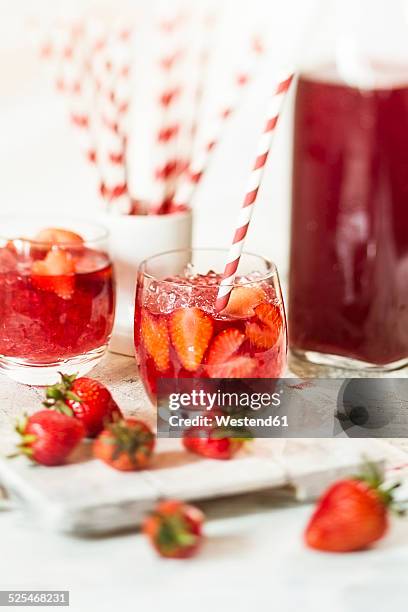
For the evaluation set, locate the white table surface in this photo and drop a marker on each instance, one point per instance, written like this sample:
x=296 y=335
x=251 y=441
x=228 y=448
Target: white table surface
x=253 y=556
x=253 y=552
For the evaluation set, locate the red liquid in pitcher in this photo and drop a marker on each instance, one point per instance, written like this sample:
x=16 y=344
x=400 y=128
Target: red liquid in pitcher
x=349 y=243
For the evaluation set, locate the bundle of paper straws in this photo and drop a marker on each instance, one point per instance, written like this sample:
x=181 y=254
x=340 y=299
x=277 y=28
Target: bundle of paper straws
x=94 y=66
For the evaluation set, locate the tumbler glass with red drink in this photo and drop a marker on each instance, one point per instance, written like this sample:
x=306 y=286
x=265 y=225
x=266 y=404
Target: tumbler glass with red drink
x=178 y=332
x=57 y=297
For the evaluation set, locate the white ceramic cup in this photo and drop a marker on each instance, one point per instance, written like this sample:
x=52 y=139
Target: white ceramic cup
x=133 y=239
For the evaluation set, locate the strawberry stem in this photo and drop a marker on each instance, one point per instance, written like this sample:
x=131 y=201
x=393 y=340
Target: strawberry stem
x=127 y=439
x=57 y=395
x=373 y=477
x=27 y=439
x=174 y=533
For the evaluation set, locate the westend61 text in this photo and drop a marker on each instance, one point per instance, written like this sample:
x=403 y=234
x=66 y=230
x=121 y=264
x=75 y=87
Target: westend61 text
x=222 y=420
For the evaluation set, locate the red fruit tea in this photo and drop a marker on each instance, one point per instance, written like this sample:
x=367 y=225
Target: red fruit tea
x=349 y=243
x=45 y=318
x=179 y=334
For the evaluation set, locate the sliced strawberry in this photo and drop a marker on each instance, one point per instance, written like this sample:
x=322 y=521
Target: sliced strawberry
x=265 y=334
x=237 y=367
x=243 y=300
x=10 y=245
x=58 y=262
x=191 y=330
x=57 y=235
x=259 y=336
x=55 y=273
x=156 y=340
x=224 y=345
x=269 y=314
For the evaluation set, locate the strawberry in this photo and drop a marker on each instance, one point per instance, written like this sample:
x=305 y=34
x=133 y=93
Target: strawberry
x=224 y=345
x=175 y=529
x=57 y=235
x=265 y=334
x=222 y=348
x=211 y=443
x=126 y=445
x=86 y=399
x=243 y=300
x=156 y=340
x=11 y=246
x=191 y=330
x=49 y=437
x=55 y=273
x=237 y=367
x=351 y=515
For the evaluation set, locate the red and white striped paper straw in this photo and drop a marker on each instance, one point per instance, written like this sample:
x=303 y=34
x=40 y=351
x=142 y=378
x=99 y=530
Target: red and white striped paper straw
x=111 y=137
x=198 y=165
x=254 y=182
x=170 y=63
x=79 y=94
x=93 y=66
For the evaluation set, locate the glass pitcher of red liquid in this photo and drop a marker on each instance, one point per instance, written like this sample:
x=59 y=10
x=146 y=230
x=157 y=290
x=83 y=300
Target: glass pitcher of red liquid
x=348 y=286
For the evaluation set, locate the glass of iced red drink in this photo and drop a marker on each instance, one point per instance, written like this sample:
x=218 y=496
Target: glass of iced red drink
x=57 y=297
x=178 y=332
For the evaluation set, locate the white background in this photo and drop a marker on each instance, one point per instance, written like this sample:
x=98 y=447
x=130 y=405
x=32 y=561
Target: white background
x=40 y=164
